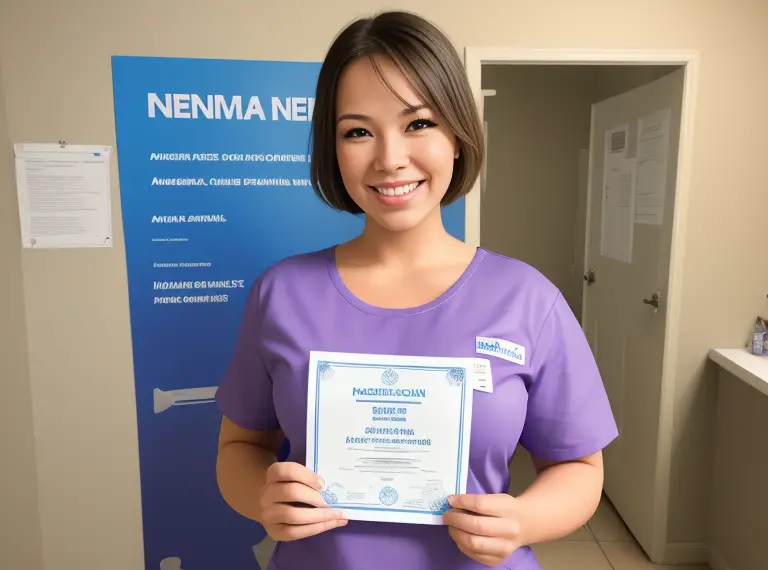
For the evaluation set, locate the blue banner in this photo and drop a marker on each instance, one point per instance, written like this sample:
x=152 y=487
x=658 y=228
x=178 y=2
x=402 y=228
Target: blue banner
x=214 y=183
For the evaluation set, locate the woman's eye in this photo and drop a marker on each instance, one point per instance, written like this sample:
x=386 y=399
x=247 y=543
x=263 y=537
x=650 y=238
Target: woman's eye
x=355 y=133
x=421 y=124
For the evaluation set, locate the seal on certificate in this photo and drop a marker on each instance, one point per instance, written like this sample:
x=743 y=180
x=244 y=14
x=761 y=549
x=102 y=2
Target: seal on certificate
x=325 y=371
x=329 y=497
x=389 y=377
x=439 y=506
x=388 y=496
x=456 y=376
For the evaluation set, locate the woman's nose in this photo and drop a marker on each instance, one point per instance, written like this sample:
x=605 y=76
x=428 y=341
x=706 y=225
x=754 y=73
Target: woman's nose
x=391 y=154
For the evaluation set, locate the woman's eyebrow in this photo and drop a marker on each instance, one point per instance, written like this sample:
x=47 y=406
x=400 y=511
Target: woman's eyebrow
x=359 y=117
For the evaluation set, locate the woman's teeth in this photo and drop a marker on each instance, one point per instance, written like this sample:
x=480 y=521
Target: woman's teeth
x=399 y=190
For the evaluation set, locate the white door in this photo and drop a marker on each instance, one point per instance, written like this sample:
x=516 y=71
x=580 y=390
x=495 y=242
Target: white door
x=628 y=249
x=580 y=229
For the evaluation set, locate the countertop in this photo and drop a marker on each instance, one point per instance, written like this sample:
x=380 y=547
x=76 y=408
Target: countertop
x=741 y=363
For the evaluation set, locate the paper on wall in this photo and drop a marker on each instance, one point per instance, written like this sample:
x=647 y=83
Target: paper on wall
x=64 y=195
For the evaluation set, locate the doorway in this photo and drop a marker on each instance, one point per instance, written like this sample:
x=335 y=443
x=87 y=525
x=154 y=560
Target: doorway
x=553 y=198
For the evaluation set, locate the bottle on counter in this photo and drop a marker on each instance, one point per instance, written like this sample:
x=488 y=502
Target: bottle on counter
x=760 y=338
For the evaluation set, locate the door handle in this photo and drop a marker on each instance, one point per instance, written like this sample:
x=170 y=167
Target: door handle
x=653 y=301
x=590 y=277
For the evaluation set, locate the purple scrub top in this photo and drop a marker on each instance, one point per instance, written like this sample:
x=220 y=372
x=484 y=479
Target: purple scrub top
x=552 y=402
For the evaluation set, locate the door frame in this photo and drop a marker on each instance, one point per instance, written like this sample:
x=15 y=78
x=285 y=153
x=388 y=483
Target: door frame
x=474 y=58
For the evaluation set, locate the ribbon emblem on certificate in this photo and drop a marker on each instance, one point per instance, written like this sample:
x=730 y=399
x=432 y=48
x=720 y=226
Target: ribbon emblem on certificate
x=389 y=434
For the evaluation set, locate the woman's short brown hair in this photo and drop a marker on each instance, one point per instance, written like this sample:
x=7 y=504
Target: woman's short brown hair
x=426 y=57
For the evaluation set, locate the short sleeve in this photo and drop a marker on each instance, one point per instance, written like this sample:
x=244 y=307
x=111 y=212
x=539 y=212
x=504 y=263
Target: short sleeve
x=245 y=393
x=569 y=415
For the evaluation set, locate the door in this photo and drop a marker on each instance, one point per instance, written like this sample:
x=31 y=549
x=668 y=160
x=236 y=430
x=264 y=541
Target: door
x=580 y=230
x=634 y=148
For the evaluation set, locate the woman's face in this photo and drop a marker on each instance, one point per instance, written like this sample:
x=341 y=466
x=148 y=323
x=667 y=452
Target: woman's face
x=396 y=160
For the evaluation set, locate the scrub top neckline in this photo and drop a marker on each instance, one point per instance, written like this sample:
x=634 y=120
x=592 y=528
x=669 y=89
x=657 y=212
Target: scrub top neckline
x=352 y=299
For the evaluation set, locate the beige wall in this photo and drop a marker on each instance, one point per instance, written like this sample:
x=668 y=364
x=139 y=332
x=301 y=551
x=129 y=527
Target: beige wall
x=55 y=62
x=740 y=480
x=19 y=520
x=537 y=122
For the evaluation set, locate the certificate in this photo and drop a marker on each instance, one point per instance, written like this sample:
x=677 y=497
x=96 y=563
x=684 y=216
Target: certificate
x=389 y=434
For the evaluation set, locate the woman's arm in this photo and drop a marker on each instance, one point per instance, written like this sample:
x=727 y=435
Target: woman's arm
x=242 y=463
x=283 y=497
x=563 y=497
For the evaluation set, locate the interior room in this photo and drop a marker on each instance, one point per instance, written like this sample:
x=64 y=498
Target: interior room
x=86 y=422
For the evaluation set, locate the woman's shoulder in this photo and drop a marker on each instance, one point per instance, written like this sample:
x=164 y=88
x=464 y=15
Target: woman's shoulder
x=516 y=275
x=297 y=267
x=289 y=277
x=294 y=270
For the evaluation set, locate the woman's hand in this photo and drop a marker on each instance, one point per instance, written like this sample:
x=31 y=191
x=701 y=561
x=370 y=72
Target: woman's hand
x=291 y=505
x=486 y=528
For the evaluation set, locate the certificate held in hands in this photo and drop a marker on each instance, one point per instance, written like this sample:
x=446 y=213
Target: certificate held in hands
x=389 y=434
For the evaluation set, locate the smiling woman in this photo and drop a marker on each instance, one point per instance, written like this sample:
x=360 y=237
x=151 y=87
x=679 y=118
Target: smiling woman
x=396 y=135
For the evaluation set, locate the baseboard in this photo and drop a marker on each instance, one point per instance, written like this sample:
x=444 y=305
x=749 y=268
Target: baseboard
x=687 y=553
x=717 y=562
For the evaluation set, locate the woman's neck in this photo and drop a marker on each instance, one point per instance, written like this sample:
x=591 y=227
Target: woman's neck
x=428 y=243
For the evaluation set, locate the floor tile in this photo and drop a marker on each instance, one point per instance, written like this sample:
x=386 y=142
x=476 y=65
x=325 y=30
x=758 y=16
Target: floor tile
x=606 y=524
x=629 y=556
x=581 y=534
x=565 y=555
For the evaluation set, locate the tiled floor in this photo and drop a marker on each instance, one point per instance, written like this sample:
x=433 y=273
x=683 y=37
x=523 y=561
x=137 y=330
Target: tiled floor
x=604 y=543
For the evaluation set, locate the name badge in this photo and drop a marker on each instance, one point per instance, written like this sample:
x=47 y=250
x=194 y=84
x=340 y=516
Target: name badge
x=501 y=348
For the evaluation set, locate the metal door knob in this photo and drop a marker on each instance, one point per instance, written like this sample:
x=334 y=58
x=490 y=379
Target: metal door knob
x=590 y=277
x=653 y=301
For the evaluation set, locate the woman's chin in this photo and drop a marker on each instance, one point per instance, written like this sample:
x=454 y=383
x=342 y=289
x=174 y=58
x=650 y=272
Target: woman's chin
x=398 y=222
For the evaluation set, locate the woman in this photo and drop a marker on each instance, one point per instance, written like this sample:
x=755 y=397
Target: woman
x=396 y=135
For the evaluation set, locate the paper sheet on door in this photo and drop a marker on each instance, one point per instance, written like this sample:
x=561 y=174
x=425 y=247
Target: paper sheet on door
x=618 y=211
x=652 y=162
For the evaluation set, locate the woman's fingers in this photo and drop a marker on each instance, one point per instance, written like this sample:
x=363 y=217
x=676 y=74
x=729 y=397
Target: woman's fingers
x=286 y=472
x=484 y=546
x=290 y=515
x=297 y=532
x=479 y=525
x=293 y=493
x=292 y=506
x=482 y=559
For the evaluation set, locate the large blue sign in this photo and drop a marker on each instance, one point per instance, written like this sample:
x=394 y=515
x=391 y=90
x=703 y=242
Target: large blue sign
x=214 y=182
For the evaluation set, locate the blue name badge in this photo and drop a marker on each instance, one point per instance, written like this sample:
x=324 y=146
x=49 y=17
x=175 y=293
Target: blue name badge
x=389 y=434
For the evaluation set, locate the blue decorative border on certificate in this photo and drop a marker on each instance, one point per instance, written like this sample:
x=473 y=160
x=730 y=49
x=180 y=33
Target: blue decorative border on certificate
x=455 y=376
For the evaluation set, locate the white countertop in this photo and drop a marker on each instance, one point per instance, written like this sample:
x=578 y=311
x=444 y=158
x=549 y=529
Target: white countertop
x=739 y=362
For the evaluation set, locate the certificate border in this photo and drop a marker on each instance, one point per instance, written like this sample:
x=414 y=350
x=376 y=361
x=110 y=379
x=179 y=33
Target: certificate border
x=465 y=387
